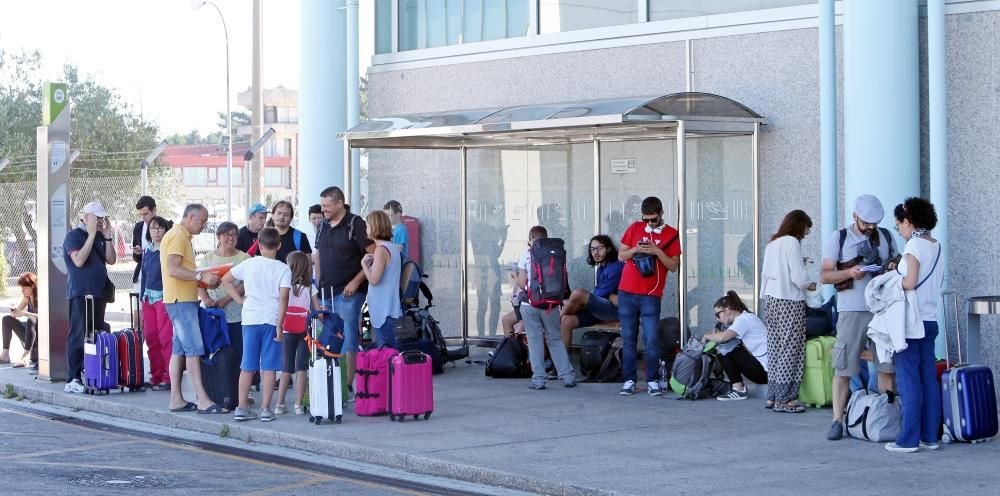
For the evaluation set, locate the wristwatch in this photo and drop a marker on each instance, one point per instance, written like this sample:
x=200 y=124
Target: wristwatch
x=197 y=276
x=109 y=239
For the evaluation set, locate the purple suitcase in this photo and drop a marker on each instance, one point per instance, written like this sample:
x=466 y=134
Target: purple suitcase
x=100 y=355
x=970 y=403
x=411 y=390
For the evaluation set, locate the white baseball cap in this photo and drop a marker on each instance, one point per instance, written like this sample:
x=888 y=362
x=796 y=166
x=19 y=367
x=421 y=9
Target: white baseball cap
x=95 y=208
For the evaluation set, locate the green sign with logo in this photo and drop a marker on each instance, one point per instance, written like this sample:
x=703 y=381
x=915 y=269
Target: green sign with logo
x=55 y=96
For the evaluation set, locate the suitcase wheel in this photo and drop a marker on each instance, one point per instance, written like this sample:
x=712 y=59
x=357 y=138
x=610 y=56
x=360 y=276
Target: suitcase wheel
x=337 y=419
x=946 y=438
x=392 y=417
x=416 y=417
x=427 y=415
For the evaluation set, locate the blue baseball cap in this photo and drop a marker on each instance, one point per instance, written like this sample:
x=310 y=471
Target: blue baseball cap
x=256 y=209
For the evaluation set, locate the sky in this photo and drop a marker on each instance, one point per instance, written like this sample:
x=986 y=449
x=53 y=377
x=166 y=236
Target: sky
x=165 y=59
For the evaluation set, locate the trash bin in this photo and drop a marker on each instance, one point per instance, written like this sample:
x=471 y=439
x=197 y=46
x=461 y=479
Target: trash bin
x=979 y=306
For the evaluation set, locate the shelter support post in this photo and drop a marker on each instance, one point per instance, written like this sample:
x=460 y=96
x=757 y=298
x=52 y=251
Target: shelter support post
x=464 y=253
x=682 y=313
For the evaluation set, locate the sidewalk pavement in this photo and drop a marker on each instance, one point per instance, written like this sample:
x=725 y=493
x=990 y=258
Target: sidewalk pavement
x=586 y=440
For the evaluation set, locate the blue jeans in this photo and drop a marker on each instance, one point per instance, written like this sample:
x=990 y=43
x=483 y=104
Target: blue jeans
x=349 y=310
x=634 y=309
x=919 y=391
x=386 y=335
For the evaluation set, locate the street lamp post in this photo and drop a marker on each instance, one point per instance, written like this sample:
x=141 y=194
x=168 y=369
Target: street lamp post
x=197 y=4
x=249 y=155
x=149 y=160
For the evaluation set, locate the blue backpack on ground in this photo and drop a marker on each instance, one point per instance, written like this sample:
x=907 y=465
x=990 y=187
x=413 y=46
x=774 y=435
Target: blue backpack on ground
x=214 y=330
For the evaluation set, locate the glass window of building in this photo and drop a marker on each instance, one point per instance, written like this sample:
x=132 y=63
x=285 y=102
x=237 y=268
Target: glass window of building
x=275 y=176
x=195 y=176
x=556 y=16
x=237 y=176
x=660 y=10
x=270 y=114
x=383 y=26
x=435 y=23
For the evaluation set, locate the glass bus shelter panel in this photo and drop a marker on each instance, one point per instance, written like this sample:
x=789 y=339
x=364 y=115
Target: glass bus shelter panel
x=524 y=113
x=388 y=123
x=414 y=177
x=701 y=105
x=719 y=239
x=601 y=107
x=510 y=191
x=631 y=171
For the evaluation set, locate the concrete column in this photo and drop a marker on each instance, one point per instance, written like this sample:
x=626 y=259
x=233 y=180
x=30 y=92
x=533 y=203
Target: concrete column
x=322 y=112
x=353 y=82
x=881 y=102
x=937 y=85
x=255 y=178
x=828 y=122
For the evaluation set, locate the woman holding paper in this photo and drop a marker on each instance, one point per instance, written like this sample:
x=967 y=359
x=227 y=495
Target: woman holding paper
x=784 y=281
x=157 y=329
x=225 y=253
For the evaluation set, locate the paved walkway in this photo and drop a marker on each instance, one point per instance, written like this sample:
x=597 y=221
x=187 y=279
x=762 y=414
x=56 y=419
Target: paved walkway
x=586 y=440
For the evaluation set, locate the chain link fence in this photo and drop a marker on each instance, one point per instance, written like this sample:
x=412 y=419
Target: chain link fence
x=117 y=191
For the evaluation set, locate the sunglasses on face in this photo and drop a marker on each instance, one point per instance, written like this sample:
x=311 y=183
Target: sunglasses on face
x=718 y=314
x=653 y=220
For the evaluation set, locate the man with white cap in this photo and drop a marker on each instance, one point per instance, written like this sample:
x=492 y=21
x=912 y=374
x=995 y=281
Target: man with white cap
x=86 y=250
x=850 y=250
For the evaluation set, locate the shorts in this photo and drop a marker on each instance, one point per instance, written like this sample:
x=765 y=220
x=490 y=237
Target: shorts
x=294 y=353
x=852 y=338
x=187 y=330
x=260 y=350
x=596 y=311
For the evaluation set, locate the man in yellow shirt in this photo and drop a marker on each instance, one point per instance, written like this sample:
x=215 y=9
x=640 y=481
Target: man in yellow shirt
x=180 y=296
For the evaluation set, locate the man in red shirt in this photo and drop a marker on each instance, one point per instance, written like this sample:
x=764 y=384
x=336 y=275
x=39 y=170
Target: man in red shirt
x=649 y=249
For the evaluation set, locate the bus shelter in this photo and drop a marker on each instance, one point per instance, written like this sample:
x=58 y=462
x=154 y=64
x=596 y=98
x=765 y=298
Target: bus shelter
x=582 y=169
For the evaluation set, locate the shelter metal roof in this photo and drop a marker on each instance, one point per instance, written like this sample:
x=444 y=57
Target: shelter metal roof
x=641 y=117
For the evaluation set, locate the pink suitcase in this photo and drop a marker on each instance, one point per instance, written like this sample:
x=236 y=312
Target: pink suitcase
x=411 y=391
x=372 y=381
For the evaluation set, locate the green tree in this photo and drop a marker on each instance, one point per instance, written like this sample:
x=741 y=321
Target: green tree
x=112 y=138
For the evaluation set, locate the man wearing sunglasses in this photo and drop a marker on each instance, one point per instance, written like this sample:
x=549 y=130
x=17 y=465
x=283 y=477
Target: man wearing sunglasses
x=649 y=249
x=848 y=250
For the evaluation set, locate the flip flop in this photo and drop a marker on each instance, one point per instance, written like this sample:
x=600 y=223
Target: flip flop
x=792 y=408
x=189 y=407
x=212 y=410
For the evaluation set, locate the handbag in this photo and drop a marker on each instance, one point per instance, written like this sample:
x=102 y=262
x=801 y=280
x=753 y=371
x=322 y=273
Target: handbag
x=873 y=416
x=108 y=292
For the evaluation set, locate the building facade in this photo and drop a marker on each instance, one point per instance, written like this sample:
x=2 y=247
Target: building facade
x=440 y=56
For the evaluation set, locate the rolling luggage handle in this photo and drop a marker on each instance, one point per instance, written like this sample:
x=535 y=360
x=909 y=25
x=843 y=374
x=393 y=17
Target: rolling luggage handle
x=953 y=296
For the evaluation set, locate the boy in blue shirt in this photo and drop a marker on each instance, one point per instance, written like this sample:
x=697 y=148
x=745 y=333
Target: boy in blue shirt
x=584 y=309
x=399 y=235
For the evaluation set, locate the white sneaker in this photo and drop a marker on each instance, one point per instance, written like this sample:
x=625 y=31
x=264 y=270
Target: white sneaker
x=653 y=388
x=300 y=410
x=75 y=386
x=893 y=447
x=628 y=389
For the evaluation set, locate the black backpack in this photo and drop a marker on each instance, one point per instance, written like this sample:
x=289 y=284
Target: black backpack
x=611 y=369
x=549 y=281
x=594 y=349
x=509 y=360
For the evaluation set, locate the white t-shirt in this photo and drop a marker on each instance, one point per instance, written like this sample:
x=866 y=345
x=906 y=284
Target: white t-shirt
x=525 y=264
x=927 y=295
x=262 y=279
x=753 y=333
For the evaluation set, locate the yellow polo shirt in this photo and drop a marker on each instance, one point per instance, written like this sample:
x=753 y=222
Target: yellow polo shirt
x=177 y=241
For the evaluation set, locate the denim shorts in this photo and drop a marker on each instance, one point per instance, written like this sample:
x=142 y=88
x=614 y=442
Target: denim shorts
x=596 y=311
x=187 y=330
x=260 y=350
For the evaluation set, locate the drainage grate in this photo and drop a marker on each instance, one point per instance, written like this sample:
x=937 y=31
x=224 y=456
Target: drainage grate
x=118 y=480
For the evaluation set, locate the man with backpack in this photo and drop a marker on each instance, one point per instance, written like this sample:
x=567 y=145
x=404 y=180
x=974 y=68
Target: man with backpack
x=341 y=243
x=543 y=271
x=649 y=249
x=292 y=239
x=848 y=252
x=247 y=236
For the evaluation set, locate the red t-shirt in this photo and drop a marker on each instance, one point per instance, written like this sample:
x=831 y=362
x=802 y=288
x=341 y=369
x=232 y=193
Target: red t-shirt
x=632 y=281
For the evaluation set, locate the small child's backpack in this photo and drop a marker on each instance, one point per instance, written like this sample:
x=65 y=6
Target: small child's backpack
x=549 y=281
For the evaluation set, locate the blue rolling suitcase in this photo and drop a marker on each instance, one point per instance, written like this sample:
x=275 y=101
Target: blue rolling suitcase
x=100 y=355
x=968 y=397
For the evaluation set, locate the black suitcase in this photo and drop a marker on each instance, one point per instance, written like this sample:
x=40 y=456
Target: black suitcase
x=221 y=373
x=425 y=346
x=594 y=348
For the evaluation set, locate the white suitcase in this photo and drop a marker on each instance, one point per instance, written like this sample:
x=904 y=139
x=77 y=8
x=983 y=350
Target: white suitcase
x=325 y=388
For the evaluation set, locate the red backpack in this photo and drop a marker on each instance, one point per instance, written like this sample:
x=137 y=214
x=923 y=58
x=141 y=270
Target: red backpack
x=549 y=281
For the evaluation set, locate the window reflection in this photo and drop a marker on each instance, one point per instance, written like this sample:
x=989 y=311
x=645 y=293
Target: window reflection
x=660 y=10
x=556 y=16
x=435 y=23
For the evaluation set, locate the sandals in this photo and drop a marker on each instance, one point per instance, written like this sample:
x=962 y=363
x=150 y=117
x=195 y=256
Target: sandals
x=213 y=410
x=789 y=408
x=189 y=407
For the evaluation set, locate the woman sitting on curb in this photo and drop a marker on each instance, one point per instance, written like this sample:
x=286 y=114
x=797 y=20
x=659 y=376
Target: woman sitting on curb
x=742 y=345
x=25 y=331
